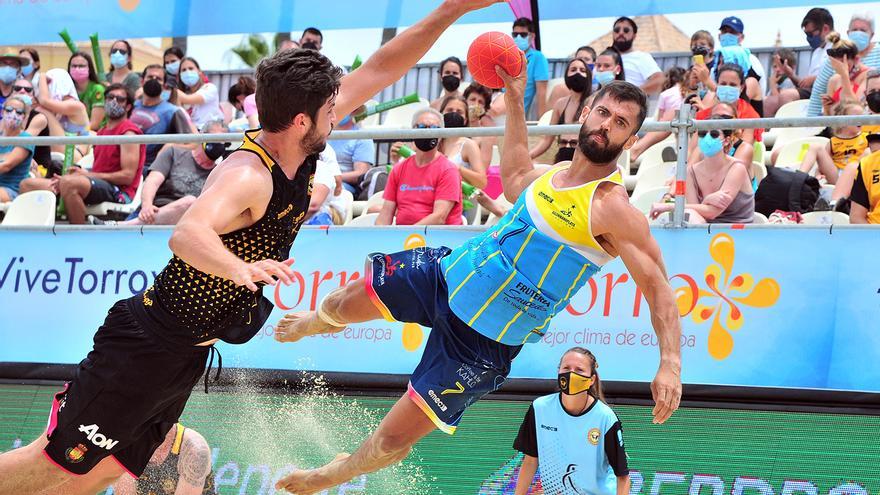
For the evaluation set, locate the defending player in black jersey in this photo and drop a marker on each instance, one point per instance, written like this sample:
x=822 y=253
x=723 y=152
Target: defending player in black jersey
x=153 y=348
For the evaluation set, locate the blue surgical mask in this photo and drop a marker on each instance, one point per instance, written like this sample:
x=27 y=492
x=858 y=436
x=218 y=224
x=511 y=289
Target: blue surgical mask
x=172 y=67
x=190 y=77
x=26 y=99
x=727 y=94
x=8 y=74
x=27 y=70
x=815 y=41
x=702 y=93
x=860 y=38
x=728 y=39
x=118 y=60
x=165 y=95
x=709 y=145
x=522 y=43
x=591 y=66
x=604 y=78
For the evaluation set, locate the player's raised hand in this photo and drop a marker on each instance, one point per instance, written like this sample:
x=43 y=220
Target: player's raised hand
x=515 y=84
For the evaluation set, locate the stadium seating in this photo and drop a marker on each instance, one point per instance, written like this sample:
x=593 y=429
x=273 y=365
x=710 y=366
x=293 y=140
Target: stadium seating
x=35 y=208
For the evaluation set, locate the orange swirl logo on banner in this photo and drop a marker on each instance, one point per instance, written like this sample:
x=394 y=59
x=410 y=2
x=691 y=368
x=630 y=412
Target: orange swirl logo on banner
x=129 y=5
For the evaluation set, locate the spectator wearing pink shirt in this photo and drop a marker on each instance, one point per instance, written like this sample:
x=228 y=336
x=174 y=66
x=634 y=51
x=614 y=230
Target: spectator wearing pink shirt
x=424 y=189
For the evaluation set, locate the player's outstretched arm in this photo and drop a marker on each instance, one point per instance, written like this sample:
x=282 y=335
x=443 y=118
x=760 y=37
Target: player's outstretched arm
x=627 y=230
x=517 y=169
x=397 y=56
x=230 y=195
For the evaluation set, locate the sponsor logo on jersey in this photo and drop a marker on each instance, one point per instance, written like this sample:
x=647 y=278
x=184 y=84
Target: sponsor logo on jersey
x=593 y=436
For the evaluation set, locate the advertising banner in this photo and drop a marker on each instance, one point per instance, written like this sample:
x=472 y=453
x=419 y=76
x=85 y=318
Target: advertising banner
x=760 y=308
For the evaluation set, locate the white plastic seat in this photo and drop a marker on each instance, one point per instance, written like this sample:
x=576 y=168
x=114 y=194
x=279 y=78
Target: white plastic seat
x=108 y=207
x=759 y=218
x=348 y=200
x=825 y=218
x=647 y=197
x=365 y=220
x=797 y=108
x=375 y=200
x=545 y=119
x=32 y=208
x=760 y=171
x=655 y=176
x=792 y=153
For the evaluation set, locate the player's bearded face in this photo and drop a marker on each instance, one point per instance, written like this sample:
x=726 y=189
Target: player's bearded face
x=597 y=146
x=314 y=141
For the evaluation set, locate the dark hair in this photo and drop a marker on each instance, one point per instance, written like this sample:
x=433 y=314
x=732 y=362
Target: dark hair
x=630 y=21
x=588 y=90
x=618 y=59
x=596 y=388
x=787 y=55
x=674 y=76
x=176 y=51
x=481 y=90
x=587 y=49
x=818 y=17
x=313 y=30
x=153 y=67
x=180 y=71
x=93 y=76
x=292 y=82
x=127 y=47
x=733 y=68
x=462 y=99
x=33 y=52
x=129 y=94
x=622 y=91
x=455 y=60
x=526 y=23
x=244 y=87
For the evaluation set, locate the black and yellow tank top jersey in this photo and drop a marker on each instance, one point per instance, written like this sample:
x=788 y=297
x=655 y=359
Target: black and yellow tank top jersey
x=187 y=306
x=161 y=479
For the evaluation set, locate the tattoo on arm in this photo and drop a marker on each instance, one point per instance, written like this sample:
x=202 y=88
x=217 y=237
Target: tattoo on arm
x=194 y=463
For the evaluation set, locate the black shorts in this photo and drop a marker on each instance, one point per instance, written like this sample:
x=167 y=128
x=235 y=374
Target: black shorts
x=126 y=394
x=102 y=191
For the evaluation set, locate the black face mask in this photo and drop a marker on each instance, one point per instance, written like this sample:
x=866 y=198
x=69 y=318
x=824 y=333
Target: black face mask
x=309 y=45
x=564 y=155
x=571 y=383
x=451 y=83
x=215 y=150
x=153 y=88
x=873 y=100
x=623 y=46
x=453 y=119
x=426 y=144
x=576 y=82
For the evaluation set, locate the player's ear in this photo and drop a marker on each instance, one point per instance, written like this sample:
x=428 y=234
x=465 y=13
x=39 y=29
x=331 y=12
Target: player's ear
x=584 y=113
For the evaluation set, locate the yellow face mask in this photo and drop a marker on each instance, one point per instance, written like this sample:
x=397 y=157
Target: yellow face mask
x=571 y=383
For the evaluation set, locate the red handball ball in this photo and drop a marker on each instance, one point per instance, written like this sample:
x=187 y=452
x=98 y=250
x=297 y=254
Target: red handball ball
x=491 y=49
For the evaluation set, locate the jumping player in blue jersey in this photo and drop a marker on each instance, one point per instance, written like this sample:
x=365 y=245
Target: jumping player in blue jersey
x=498 y=291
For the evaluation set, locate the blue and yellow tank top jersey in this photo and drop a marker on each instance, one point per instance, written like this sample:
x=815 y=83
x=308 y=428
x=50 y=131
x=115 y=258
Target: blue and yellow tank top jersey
x=508 y=282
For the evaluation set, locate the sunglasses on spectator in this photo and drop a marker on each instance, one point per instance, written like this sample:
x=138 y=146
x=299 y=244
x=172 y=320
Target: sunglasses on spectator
x=521 y=35
x=571 y=143
x=622 y=29
x=10 y=110
x=423 y=126
x=119 y=98
x=119 y=50
x=22 y=88
x=715 y=133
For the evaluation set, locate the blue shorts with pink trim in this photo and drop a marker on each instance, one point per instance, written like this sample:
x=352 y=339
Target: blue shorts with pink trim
x=459 y=365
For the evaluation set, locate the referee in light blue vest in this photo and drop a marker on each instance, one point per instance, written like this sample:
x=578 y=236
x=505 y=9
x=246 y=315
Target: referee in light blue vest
x=573 y=436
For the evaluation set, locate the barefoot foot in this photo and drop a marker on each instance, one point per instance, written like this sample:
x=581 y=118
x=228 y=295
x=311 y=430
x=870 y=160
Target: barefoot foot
x=294 y=326
x=309 y=481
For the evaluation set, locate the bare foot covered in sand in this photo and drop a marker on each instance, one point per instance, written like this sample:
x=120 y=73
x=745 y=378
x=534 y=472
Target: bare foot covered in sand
x=309 y=481
x=295 y=326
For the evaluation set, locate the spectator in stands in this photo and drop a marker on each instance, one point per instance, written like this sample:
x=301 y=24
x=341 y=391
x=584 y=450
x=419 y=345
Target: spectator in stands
x=354 y=156
x=565 y=146
x=200 y=98
x=865 y=196
x=312 y=39
x=60 y=103
x=703 y=44
x=424 y=189
x=15 y=161
x=730 y=34
x=587 y=53
x=153 y=115
x=10 y=66
x=120 y=62
x=450 y=74
x=675 y=88
x=567 y=110
x=288 y=45
x=31 y=69
x=171 y=60
x=860 y=32
x=175 y=180
x=37 y=124
x=88 y=88
x=538 y=69
x=872 y=99
x=326 y=206
x=479 y=99
x=781 y=82
x=740 y=56
x=641 y=68
x=729 y=90
x=609 y=67
x=817 y=25
x=845 y=181
x=848 y=82
x=239 y=91
x=846 y=146
x=463 y=152
x=718 y=189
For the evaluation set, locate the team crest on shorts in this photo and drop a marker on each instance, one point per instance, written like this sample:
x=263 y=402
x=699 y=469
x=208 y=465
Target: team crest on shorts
x=76 y=454
x=593 y=436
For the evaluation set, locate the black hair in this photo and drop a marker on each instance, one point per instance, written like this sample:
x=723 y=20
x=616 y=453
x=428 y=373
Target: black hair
x=618 y=59
x=245 y=86
x=818 y=17
x=622 y=91
x=313 y=30
x=127 y=47
x=35 y=55
x=453 y=59
x=526 y=23
x=292 y=82
x=588 y=90
x=176 y=51
x=587 y=49
x=674 y=76
x=733 y=68
x=630 y=21
x=180 y=71
x=93 y=75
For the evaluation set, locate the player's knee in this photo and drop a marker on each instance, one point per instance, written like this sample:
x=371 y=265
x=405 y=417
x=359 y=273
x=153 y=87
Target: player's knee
x=395 y=447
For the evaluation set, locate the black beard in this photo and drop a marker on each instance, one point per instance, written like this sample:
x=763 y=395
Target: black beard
x=623 y=45
x=313 y=143
x=599 y=155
